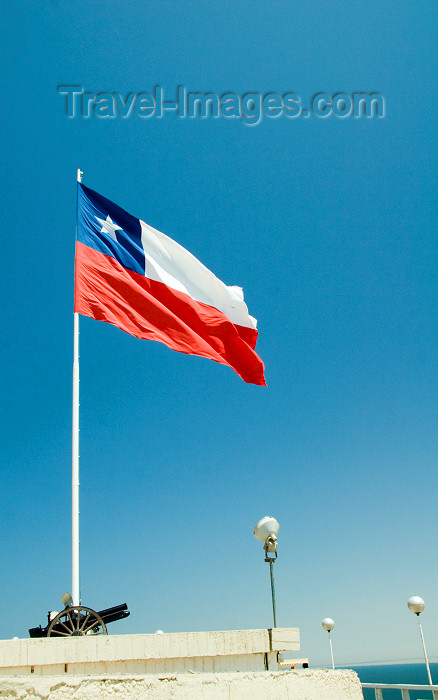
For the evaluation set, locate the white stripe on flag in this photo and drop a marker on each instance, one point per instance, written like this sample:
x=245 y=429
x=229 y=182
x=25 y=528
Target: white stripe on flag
x=174 y=266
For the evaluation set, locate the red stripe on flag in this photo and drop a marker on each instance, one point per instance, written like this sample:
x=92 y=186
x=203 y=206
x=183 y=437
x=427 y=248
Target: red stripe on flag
x=106 y=291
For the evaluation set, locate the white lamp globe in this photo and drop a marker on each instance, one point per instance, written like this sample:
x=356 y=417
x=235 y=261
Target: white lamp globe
x=328 y=624
x=265 y=527
x=416 y=604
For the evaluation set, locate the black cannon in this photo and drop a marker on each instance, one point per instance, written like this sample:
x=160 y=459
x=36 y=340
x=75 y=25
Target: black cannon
x=77 y=621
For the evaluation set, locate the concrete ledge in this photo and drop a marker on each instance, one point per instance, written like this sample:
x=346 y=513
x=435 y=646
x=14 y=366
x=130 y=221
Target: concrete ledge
x=236 y=650
x=290 y=685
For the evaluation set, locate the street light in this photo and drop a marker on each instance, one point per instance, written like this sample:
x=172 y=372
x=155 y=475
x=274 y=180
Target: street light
x=416 y=605
x=266 y=531
x=328 y=625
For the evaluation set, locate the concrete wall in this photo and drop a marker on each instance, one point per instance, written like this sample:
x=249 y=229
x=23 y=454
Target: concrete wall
x=233 y=665
x=238 y=650
x=290 y=685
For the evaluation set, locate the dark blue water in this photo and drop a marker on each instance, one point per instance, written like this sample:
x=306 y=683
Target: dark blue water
x=415 y=674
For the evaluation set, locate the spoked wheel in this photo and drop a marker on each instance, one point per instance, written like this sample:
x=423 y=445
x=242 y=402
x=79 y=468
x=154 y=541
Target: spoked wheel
x=76 y=621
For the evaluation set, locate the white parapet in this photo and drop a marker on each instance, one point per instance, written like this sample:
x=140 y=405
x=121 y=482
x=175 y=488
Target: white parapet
x=228 y=651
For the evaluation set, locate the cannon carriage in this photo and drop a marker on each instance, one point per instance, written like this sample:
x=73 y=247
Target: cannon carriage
x=78 y=621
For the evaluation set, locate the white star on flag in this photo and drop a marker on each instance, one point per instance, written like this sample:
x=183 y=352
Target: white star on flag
x=109 y=227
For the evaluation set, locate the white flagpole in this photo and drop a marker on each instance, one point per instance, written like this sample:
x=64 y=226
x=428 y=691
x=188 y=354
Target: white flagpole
x=75 y=458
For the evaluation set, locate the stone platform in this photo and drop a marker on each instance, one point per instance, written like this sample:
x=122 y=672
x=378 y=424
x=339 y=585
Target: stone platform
x=268 y=685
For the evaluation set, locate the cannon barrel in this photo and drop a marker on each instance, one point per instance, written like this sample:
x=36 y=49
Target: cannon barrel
x=118 y=612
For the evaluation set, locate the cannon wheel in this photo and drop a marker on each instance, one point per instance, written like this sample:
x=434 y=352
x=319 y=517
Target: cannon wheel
x=76 y=621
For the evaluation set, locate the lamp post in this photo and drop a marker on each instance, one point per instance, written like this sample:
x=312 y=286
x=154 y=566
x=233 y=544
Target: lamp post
x=266 y=531
x=416 y=605
x=328 y=625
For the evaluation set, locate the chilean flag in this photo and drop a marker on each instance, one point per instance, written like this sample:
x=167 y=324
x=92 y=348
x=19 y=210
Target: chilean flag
x=131 y=275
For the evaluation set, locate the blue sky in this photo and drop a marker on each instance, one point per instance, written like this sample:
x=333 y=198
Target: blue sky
x=329 y=225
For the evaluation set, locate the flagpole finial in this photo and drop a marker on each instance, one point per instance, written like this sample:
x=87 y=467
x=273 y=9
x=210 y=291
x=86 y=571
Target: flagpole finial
x=80 y=173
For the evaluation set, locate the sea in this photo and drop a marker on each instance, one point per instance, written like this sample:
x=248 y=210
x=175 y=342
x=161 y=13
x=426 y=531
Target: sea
x=410 y=673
